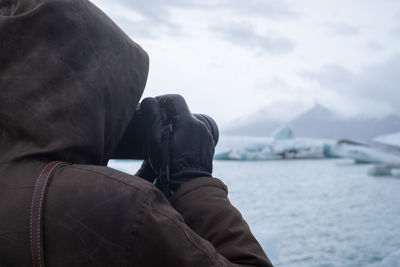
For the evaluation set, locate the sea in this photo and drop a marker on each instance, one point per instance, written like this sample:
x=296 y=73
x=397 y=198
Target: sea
x=325 y=212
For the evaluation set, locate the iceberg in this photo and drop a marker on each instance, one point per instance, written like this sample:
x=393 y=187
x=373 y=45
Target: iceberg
x=283 y=133
x=367 y=152
x=282 y=146
x=383 y=151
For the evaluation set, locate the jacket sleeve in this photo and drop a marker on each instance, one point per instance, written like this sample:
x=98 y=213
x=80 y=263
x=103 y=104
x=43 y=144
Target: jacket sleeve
x=202 y=229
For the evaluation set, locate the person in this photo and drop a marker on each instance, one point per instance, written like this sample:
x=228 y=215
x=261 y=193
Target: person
x=70 y=81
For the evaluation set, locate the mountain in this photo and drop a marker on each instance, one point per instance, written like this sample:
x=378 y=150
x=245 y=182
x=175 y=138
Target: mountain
x=320 y=122
x=389 y=139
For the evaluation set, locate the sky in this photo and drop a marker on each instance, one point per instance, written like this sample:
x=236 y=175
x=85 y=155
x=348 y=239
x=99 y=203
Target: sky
x=234 y=58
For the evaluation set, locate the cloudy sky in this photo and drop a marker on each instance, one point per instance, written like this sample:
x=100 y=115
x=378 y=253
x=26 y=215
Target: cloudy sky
x=232 y=58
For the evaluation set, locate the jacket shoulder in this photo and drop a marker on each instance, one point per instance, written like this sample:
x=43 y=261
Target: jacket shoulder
x=104 y=174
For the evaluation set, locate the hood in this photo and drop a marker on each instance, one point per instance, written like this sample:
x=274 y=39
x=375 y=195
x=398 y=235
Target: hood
x=70 y=80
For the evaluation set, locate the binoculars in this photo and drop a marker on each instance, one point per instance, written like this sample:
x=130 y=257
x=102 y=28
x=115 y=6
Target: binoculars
x=133 y=142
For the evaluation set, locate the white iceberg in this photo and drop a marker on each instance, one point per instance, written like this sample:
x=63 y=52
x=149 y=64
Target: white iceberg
x=282 y=147
x=283 y=133
x=366 y=153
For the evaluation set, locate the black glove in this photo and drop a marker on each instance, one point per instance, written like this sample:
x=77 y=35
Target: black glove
x=146 y=172
x=173 y=134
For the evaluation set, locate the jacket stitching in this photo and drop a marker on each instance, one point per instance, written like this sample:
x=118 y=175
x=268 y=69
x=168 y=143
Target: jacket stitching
x=138 y=220
x=112 y=178
x=50 y=172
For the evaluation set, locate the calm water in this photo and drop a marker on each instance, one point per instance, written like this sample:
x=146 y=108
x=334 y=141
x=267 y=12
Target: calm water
x=314 y=212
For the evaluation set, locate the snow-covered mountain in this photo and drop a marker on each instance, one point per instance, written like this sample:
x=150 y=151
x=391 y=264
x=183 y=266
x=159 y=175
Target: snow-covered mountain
x=320 y=122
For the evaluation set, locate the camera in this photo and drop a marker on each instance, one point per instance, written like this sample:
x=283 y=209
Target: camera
x=133 y=143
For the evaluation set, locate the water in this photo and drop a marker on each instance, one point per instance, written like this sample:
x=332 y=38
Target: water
x=314 y=212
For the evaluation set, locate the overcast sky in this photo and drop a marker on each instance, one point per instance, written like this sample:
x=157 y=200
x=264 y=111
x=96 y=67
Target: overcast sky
x=232 y=58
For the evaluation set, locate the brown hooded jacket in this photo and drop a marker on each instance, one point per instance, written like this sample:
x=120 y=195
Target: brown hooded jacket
x=70 y=80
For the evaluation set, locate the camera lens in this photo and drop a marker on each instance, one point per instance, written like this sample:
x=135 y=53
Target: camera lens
x=132 y=144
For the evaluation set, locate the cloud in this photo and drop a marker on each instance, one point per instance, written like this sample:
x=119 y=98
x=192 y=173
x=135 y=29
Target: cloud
x=156 y=16
x=397 y=15
x=373 y=91
x=272 y=9
x=244 y=34
x=148 y=19
x=343 y=29
x=375 y=46
x=396 y=31
x=159 y=9
x=156 y=10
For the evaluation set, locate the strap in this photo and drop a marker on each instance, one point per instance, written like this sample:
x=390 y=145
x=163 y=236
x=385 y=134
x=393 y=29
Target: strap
x=164 y=176
x=36 y=225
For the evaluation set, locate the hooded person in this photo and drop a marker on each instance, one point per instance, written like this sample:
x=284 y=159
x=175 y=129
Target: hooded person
x=70 y=81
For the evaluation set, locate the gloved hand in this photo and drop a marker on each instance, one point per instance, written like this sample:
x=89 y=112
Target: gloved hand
x=146 y=172
x=169 y=125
